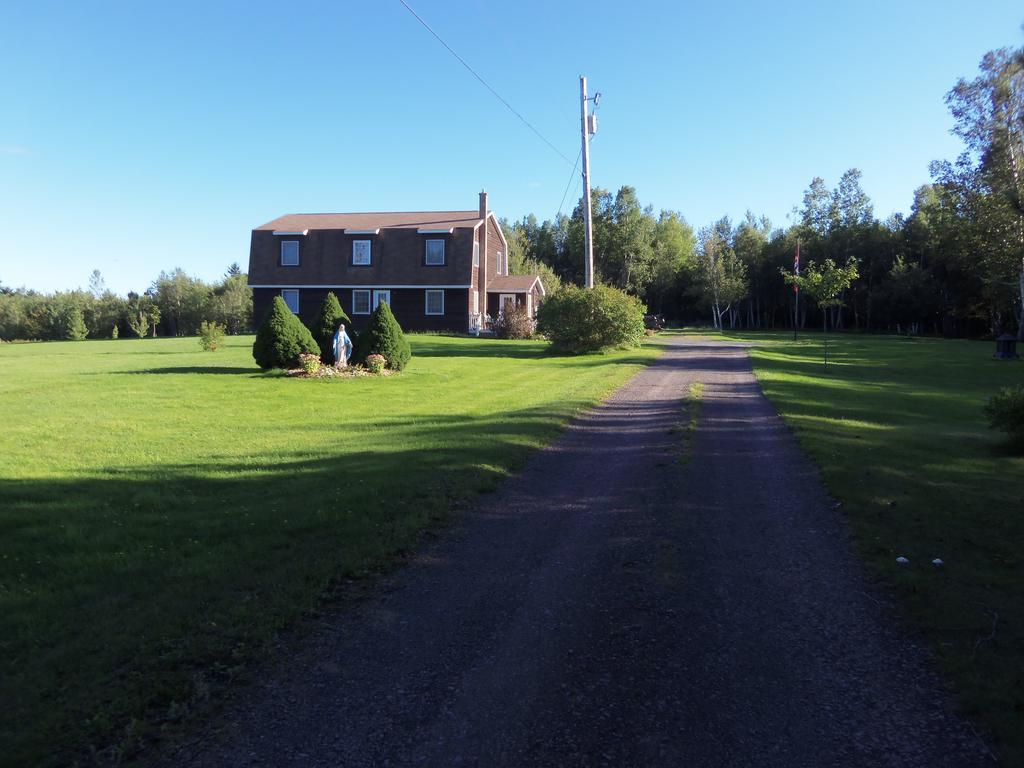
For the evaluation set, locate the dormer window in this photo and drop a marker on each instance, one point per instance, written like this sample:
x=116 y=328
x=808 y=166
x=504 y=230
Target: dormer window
x=289 y=253
x=362 y=253
x=434 y=256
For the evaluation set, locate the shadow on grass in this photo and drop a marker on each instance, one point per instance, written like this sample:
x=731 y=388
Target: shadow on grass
x=1008 y=448
x=177 y=575
x=424 y=347
x=236 y=371
x=530 y=350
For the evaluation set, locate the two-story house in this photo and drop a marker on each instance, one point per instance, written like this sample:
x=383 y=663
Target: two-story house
x=438 y=270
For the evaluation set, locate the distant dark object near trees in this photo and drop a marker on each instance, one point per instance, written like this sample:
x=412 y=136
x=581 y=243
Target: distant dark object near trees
x=654 y=322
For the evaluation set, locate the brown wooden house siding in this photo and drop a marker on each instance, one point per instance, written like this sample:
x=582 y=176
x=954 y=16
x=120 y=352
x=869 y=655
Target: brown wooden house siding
x=407 y=304
x=397 y=262
x=494 y=246
x=325 y=258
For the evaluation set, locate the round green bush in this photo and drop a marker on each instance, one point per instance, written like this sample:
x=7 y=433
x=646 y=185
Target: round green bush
x=325 y=325
x=383 y=336
x=578 y=320
x=1005 y=412
x=282 y=338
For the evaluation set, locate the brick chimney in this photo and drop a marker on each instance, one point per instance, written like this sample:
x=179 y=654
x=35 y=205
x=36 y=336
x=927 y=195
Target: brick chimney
x=482 y=274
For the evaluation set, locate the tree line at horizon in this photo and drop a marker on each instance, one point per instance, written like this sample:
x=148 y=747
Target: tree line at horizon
x=954 y=266
x=176 y=304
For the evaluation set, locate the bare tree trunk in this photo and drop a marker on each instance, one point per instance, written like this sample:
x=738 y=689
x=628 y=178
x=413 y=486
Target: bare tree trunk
x=1020 y=315
x=824 y=323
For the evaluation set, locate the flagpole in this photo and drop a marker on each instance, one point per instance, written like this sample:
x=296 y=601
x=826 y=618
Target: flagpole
x=796 y=290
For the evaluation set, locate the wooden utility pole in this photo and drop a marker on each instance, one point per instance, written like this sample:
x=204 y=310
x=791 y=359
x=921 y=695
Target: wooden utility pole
x=588 y=248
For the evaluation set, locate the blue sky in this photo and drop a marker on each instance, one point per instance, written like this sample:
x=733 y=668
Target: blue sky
x=136 y=137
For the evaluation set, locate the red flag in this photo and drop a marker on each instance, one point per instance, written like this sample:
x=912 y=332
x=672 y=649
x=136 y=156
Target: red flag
x=796 y=266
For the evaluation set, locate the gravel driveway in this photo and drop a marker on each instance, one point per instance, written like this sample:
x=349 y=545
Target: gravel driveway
x=623 y=602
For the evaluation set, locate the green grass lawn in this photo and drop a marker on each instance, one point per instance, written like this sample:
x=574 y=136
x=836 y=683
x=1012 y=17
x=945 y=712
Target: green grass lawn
x=164 y=512
x=897 y=429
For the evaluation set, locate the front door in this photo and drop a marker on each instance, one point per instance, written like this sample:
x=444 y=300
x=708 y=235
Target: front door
x=379 y=296
x=505 y=300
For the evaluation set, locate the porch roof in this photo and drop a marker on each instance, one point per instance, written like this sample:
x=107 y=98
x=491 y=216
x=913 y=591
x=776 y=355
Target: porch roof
x=514 y=284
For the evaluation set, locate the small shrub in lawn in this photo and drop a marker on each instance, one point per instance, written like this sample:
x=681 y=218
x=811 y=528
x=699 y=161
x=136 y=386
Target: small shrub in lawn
x=515 y=323
x=281 y=338
x=310 y=364
x=139 y=323
x=383 y=336
x=376 y=363
x=1005 y=412
x=326 y=323
x=70 y=324
x=211 y=336
x=578 y=320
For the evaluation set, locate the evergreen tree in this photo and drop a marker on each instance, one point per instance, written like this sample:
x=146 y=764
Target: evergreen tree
x=73 y=324
x=383 y=336
x=282 y=338
x=325 y=324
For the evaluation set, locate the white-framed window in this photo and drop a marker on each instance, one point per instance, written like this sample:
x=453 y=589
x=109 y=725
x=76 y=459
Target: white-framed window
x=360 y=302
x=434 y=301
x=291 y=298
x=379 y=296
x=289 y=253
x=361 y=253
x=476 y=301
x=434 y=256
x=476 y=253
x=500 y=270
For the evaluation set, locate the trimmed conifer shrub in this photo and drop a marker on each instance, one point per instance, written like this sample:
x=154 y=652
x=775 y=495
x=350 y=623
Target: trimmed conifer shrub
x=383 y=336
x=282 y=338
x=325 y=325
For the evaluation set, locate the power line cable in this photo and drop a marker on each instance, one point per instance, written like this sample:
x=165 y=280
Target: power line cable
x=482 y=81
x=571 y=176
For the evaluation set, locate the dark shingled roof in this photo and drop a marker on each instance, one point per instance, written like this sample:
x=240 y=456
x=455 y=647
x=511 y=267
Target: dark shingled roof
x=513 y=283
x=297 y=222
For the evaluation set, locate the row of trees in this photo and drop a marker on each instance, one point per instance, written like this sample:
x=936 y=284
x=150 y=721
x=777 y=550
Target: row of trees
x=176 y=304
x=954 y=265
